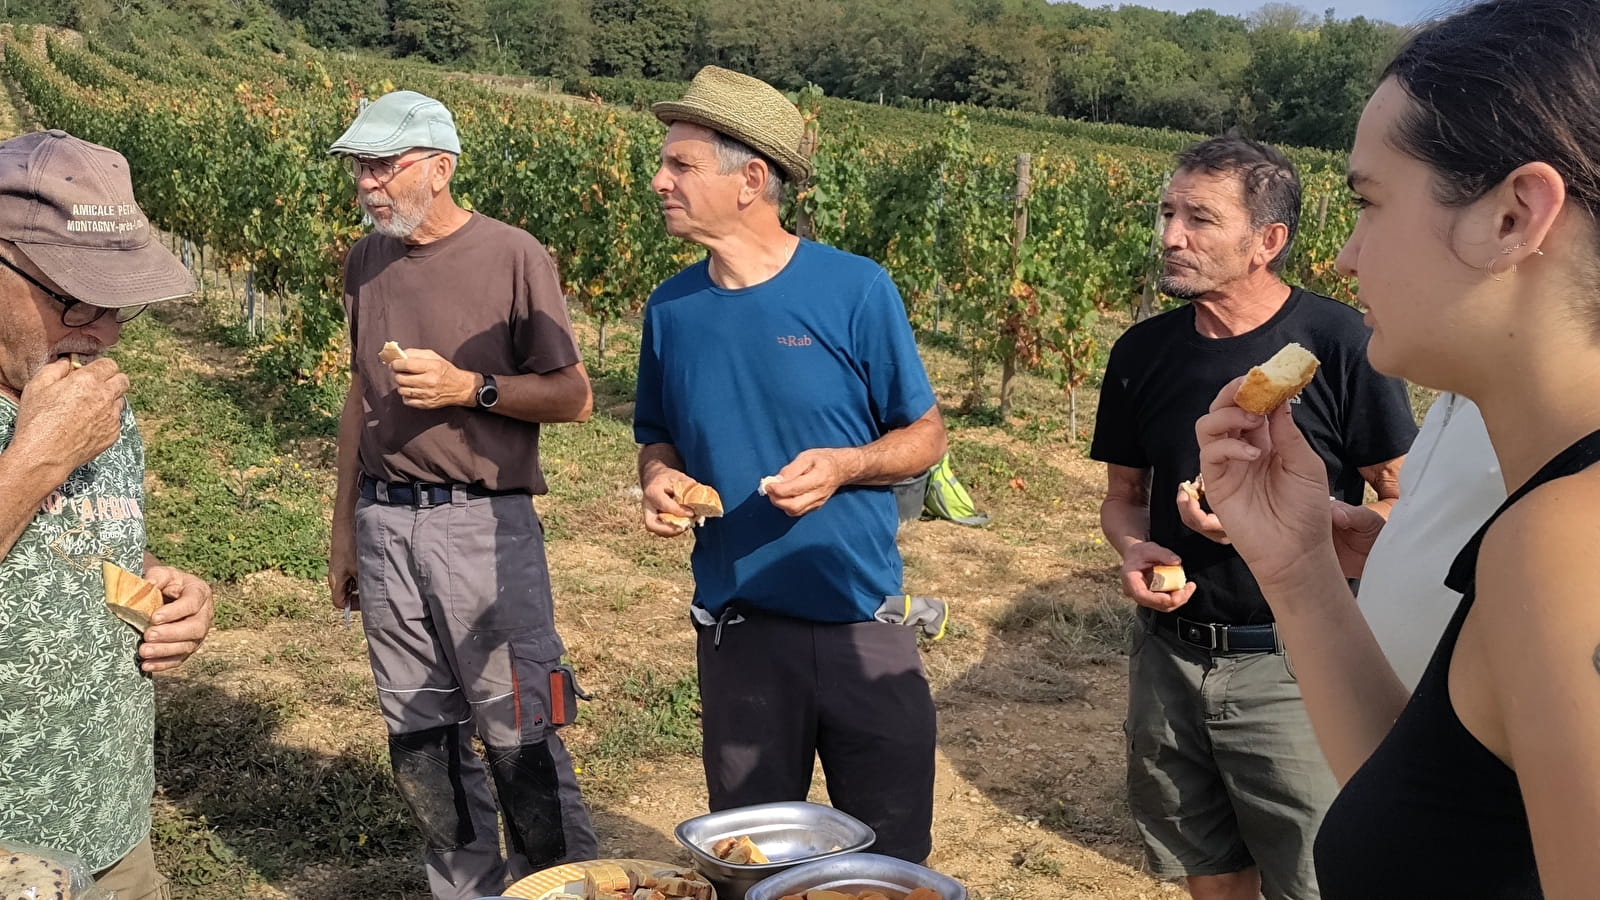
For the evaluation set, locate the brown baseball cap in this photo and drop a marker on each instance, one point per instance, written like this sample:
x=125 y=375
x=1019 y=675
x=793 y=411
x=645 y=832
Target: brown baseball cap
x=68 y=204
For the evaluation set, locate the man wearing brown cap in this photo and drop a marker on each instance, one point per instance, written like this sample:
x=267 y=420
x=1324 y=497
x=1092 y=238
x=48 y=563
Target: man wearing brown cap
x=783 y=373
x=434 y=531
x=77 y=709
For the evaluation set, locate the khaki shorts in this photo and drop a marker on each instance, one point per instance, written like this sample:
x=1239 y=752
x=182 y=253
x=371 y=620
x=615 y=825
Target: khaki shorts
x=134 y=877
x=1224 y=772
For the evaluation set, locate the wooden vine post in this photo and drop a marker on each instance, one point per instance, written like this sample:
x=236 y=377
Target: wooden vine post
x=1019 y=216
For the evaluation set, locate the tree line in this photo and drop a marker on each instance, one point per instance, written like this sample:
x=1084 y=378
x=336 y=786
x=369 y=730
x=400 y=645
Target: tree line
x=1279 y=74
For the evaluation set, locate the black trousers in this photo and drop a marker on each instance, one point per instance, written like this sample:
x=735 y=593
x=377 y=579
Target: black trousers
x=777 y=693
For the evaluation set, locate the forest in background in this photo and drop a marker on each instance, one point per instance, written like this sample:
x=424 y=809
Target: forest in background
x=1280 y=74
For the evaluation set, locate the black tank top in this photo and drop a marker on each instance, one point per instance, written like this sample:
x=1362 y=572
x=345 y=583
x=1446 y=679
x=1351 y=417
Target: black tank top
x=1432 y=813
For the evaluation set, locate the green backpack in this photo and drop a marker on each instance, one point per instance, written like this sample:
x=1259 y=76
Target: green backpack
x=947 y=499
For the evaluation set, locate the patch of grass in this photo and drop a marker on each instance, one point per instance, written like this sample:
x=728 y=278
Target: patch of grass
x=298 y=602
x=227 y=499
x=1080 y=625
x=278 y=807
x=989 y=467
x=194 y=856
x=650 y=714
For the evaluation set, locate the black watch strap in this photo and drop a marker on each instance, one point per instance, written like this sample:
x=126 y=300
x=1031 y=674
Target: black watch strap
x=489 y=393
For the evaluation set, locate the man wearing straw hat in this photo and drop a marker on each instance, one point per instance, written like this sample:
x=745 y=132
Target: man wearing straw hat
x=783 y=373
x=435 y=536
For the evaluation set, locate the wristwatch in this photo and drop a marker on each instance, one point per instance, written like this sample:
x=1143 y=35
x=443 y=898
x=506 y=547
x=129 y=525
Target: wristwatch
x=489 y=394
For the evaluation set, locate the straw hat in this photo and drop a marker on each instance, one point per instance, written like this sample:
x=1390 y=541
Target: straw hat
x=746 y=109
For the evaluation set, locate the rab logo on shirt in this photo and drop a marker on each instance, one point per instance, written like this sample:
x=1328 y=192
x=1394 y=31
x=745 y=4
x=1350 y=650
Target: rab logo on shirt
x=790 y=340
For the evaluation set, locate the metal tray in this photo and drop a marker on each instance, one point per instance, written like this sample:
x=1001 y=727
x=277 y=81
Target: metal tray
x=789 y=833
x=857 y=872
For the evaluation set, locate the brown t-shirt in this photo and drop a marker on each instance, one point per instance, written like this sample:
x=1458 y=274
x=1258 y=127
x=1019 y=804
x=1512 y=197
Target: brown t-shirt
x=487 y=299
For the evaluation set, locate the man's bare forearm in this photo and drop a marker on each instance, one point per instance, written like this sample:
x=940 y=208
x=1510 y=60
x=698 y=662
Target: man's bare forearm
x=902 y=453
x=24 y=484
x=560 y=396
x=348 y=467
x=1125 y=523
x=653 y=458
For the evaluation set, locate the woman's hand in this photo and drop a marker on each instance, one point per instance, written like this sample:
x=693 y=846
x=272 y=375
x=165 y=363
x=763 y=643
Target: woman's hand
x=1266 y=485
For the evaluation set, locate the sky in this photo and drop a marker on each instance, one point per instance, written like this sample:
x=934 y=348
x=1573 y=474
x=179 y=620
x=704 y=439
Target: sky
x=1400 y=12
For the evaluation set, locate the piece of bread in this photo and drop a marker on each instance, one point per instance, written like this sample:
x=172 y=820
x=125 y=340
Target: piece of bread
x=923 y=893
x=741 y=851
x=1196 y=489
x=761 y=487
x=1276 y=381
x=1166 y=579
x=75 y=360
x=391 y=352
x=703 y=500
x=689 y=888
x=129 y=597
x=606 y=879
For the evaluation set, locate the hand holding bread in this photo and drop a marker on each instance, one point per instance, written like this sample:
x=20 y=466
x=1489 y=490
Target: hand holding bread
x=1266 y=484
x=427 y=380
x=69 y=415
x=701 y=500
x=1196 y=517
x=810 y=479
x=1163 y=592
x=180 y=626
x=665 y=492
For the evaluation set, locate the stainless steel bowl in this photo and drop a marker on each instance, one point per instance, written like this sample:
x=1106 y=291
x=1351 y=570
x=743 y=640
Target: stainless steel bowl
x=857 y=872
x=789 y=833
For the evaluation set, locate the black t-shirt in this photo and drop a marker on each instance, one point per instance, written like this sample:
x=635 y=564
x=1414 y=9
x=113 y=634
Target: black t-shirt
x=1163 y=375
x=1433 y=812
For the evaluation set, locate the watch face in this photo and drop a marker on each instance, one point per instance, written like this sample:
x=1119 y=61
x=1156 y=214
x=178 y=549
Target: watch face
x=489 y=394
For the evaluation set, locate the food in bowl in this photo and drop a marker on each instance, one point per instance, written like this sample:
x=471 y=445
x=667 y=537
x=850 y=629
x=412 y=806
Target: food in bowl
x=740 y=851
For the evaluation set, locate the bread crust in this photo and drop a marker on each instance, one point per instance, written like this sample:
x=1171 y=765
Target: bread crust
x=391 y=352
x=129 y=597
x=1166 y=579
x=702 y=499
x=1276 y=381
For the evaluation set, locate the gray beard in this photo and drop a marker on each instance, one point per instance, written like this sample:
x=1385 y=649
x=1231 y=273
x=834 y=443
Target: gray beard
x=1174 y=289
x=401 y=225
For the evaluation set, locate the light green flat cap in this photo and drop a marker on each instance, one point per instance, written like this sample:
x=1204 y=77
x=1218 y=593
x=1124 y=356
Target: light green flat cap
x=396 y=122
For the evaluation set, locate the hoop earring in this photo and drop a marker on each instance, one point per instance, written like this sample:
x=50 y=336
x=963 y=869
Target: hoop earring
x=1488 y=267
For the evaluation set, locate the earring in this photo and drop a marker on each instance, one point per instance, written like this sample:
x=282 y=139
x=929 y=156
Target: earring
x=1488 y=267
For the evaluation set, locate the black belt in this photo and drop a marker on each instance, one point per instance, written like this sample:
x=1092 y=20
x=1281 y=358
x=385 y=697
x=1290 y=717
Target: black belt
x=1221 y=638
x=420 y=494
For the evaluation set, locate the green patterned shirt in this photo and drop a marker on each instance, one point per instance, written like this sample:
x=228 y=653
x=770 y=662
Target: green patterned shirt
x=77 y=717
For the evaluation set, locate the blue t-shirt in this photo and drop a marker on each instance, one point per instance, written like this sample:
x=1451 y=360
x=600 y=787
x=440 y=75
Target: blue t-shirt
x=740 y=382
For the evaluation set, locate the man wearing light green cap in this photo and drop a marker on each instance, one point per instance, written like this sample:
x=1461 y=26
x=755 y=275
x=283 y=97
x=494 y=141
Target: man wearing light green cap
x=435 y=537
x=809 y=404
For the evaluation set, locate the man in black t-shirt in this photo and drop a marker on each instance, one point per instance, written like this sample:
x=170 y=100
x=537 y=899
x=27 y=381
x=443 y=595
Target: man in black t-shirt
x=1226 y=782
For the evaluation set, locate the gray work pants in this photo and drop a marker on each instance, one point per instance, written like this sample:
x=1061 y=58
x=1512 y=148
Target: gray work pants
x=456 y=606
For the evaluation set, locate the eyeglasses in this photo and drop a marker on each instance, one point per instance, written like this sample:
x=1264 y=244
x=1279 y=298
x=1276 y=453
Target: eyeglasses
x=77 y=313
x=382 y=169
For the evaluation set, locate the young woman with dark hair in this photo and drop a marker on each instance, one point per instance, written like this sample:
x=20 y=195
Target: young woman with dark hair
x=1477 y=167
